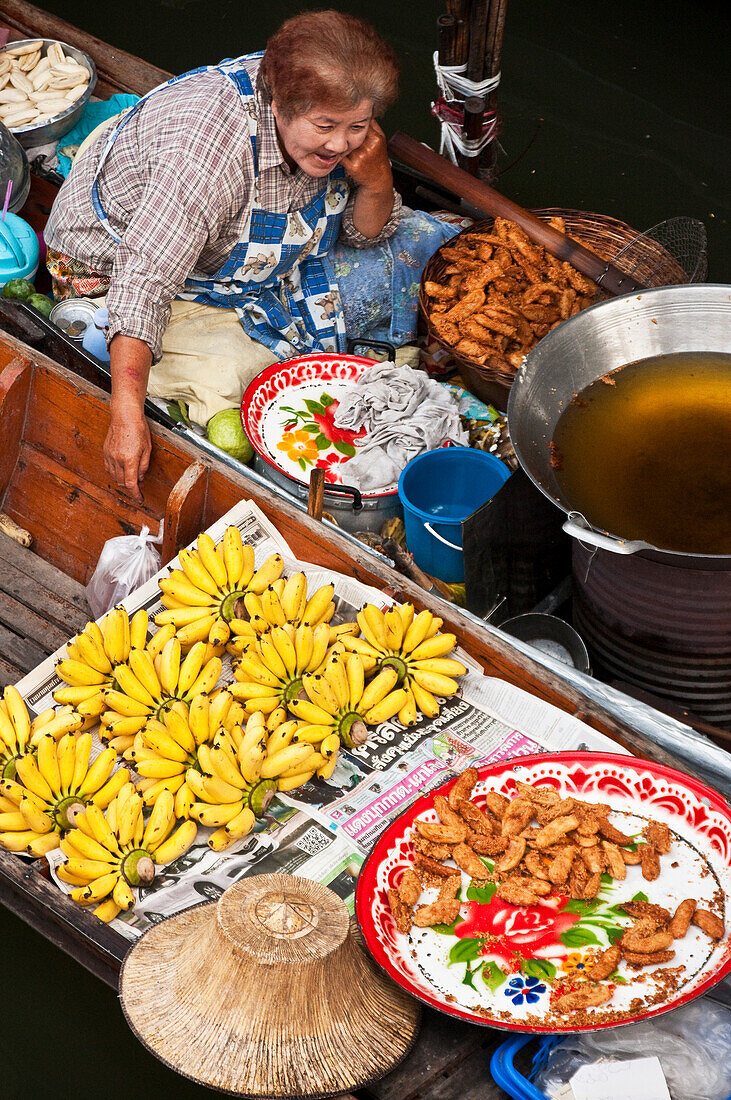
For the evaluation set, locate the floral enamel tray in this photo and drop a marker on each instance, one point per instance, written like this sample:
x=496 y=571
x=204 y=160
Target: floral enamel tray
x=501 y=964
x=288 y=415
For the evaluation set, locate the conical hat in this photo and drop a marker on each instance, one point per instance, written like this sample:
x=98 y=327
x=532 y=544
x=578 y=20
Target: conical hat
x=266 y=993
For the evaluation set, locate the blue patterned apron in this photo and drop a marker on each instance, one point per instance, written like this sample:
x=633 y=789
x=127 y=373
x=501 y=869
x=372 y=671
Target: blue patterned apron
x=275 y=278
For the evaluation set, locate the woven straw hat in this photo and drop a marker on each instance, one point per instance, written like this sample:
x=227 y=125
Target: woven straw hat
x=266 y=993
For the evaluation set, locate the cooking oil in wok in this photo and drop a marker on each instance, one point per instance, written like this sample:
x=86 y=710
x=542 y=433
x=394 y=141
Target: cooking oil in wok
x=645 y=452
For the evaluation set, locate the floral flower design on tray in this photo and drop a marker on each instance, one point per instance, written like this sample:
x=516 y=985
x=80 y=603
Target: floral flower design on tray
x=508 y=965
x=311 y=438
x=288 y=414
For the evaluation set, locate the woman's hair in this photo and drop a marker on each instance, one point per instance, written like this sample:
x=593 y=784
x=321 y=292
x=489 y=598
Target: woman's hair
x=325 y=57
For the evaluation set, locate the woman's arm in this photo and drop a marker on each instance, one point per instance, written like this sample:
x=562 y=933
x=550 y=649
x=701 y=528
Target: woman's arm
x=128 y=445
x=370 y=169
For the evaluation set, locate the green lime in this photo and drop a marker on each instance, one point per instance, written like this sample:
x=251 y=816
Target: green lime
x=18 y=288
x=225 y=431
x=40 y=302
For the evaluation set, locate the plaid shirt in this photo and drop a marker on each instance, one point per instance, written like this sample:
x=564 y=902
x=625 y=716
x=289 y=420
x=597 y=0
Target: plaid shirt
x=178 y=188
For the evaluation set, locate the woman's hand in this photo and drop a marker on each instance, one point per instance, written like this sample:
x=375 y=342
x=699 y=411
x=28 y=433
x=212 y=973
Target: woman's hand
x=128 y=446
x=370 y=169
x=368 y=165
x=127 y=451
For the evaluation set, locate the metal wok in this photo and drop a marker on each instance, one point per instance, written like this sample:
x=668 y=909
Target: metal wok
x=600 y=339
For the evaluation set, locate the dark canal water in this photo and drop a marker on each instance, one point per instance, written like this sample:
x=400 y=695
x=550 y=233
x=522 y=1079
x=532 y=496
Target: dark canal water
x=617 y=108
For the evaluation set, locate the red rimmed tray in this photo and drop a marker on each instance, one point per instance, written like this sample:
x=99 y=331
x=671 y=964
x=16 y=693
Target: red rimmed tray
x=545 y=947
x=287 y=414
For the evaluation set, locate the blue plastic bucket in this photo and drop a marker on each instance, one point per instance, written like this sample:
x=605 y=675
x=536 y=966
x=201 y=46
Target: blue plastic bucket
x=438 y=490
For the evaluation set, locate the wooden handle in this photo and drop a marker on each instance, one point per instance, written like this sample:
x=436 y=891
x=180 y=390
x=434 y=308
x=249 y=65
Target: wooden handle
x=316 y=493
x=495 y=205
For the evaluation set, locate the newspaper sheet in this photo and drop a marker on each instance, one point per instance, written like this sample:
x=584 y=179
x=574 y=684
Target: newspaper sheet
x=325 y=829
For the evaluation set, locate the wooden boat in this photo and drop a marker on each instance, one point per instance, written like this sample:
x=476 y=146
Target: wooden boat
x=52 y=484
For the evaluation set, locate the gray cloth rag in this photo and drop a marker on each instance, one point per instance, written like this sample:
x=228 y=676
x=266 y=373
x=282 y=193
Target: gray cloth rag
x=404 y=412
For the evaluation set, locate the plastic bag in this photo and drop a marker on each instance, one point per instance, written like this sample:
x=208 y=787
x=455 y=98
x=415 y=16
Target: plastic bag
x=124 y=564
x=693 y=1044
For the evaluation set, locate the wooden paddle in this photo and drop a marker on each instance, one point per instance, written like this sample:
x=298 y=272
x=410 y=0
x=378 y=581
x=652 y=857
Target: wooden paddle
x=486 y=199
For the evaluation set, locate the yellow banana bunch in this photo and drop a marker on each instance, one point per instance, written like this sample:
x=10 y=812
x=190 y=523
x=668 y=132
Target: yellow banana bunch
x=412 y=645
x=340 y=703
x=231 y=789
x=16 y=730
x=146 y=688
x=107 y=854
x=92 y=657
x=205 y=595
x=269 y=674
x=286 y=602
x=52 y=788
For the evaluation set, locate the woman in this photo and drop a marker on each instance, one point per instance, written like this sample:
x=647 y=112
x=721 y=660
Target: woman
x=218 y=215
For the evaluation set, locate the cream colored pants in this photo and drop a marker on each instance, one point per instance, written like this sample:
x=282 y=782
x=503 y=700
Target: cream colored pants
x=207 y=360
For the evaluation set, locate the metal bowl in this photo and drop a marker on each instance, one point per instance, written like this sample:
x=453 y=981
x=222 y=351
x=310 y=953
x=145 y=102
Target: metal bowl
x=43 y=133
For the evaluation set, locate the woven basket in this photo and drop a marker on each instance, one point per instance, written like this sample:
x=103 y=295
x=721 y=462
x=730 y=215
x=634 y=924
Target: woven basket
x=646 y=260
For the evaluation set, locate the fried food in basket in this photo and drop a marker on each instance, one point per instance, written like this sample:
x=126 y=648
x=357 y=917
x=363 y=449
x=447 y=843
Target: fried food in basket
x=501 y=293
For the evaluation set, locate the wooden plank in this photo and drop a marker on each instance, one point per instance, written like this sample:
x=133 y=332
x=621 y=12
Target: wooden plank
x=20 y=650
x=43 y=600
x=184 y=510
x=471 y=1078
x=9 y=673
x=46 y=576
x=21 y=620
x=121 y=71
x=14 y=387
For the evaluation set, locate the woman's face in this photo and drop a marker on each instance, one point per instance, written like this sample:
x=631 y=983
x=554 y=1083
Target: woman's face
x=319 y=139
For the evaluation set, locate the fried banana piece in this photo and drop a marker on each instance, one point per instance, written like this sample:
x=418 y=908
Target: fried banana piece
x=588 y=997
x=439 y=912
x=560 y=866
x=605 y=964
x=475 y=818
x=650 y=862
x=448 y=891
x=657 y=913
x=445 y=813
x=608 y=831
x=512 y=856
x=431 y=866
x=487 y=845
x=657 y=833
x=469 y=862
x=592 y=887
x=683 y=915
x=496 y=803
x=555 y=829
x=428 y=848
x=578 y=878
x=539 y=796
x=647 y=944
x=409 y=888
x=615 y=864
x=514 y=891
x=631 y=859
x=517 y=816
x=635 y=958
x=442 y=834
x=537 y=865
x=436 y=290
x=546 y=814
x=709 y=923
x=462 y=788
x=594 y=859
x=401 y=912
